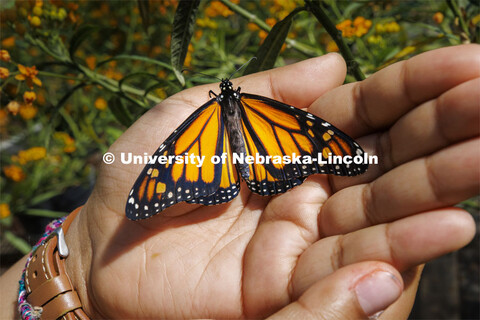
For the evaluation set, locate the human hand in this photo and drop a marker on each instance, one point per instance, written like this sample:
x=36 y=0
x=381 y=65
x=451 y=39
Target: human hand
x=305 y=252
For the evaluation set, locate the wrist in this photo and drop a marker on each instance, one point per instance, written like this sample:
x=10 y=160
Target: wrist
x=78 y=263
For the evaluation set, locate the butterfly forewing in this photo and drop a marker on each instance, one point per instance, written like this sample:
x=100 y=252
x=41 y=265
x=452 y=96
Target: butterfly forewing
x=275 y=129
x=162 y=185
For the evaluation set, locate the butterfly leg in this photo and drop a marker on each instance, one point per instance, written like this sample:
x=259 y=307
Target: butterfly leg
x=210 y=93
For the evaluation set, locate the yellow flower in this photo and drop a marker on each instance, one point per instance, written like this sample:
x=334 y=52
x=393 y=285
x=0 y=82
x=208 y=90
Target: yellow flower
x=29 y=97
x=32 y=154
x=68 y=142
x=4 y=73
x=13 y=106
x=438 y=17
x=37 y=10
x=28 y=111
x=4 y=210
x=14 y=173
x=8 y=42
x=374 y=39
x=392 y=27
x=35 y=21
x=101 y=104
x=29 y=74
x=216 y=8
x=4 y=55
x=332 y=46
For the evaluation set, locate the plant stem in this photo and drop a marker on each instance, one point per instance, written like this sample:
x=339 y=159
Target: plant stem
x=322 y=17
x=300 y=47
x=456 y=11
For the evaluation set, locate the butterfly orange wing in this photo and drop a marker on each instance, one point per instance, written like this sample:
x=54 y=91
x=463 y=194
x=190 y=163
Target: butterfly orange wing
x=161 y=185
x=272 y=128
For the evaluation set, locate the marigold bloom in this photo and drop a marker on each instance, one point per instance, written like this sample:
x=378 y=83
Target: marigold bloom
x=13 y=106
x=91 y=62
x=216 y=8
x=68 y=142
x=4 y=73
x=14 y=173
x=4 y=55
x=4 y=210
x=35 y=21
x=252 y=26
x=28 y=111
x=29 y=74
x=29 y=97
x=101 y=103
x=32 y=154
x=8 y=42
x=438 y=17
x=271 y=21
x=332 y=46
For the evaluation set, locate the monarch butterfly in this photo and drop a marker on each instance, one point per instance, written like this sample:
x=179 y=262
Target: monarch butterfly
x=237 y=125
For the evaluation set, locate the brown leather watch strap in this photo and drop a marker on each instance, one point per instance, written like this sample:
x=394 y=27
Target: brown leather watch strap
x=48 y=285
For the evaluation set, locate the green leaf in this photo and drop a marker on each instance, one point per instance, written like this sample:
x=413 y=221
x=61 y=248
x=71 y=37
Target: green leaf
x=44 y=197
x=82 y=33
x=20 y=244
x=182 y=31
x=268 y=52
x=120 y=111
x=45 y=213
x=144 y=8
x=137 y=58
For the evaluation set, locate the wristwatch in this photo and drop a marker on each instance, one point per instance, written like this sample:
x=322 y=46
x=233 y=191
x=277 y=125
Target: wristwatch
x=46 y=281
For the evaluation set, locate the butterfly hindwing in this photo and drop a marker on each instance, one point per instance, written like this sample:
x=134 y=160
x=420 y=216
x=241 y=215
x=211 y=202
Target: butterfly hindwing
x=272 y=128
x=161 y=185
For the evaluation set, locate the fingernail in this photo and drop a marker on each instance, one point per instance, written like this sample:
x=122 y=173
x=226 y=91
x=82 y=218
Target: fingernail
x=376 y=291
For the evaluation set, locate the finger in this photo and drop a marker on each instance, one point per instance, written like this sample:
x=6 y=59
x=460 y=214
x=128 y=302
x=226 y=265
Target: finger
x=452 y=117
x=349 y=293
x=380 y=100
x=403 y=244
x=442 y=179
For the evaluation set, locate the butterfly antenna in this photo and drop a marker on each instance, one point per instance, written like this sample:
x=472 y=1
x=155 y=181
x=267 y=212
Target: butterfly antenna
x=203 y=74
x=243 y=65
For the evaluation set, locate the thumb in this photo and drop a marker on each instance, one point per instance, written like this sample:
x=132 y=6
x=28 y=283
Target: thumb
x=357 y=291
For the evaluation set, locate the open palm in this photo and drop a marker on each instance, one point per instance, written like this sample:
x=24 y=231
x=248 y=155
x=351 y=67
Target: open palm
x=257 y=256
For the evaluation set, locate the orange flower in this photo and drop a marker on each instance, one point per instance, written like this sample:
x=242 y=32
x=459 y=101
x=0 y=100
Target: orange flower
x=29 y=97
x=4 y=210
x=4 y=73
x=438 y=17
x=32 y=154
x=8 y=42
x=332 y=46
x=68 y=142
x=29 y=74
x=91 y=62
x=28 y=111
x=4 y=55
x=13 y=106
x=101 y=104
x=14 y=173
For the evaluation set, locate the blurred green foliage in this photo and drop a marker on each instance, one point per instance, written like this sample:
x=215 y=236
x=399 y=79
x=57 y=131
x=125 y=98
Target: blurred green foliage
x=75 y=74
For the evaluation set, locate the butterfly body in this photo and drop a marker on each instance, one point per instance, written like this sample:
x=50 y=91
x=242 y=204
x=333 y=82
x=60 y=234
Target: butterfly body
x=233 y=127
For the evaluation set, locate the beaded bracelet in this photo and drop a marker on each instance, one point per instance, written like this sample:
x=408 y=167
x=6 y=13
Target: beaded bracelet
x=27 y=311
